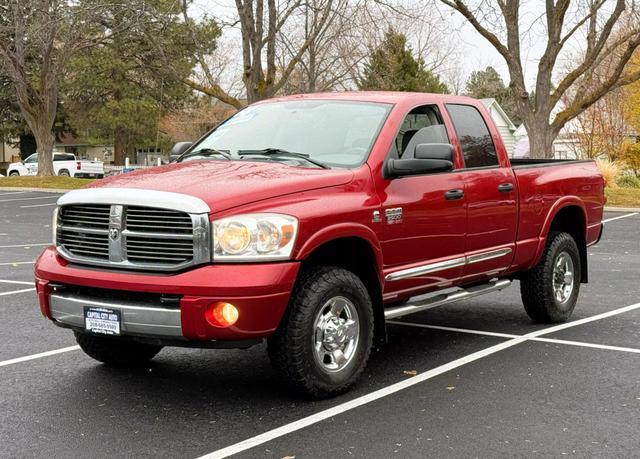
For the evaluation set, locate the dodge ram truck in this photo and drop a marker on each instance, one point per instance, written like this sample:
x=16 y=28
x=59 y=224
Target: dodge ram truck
x=307 y=222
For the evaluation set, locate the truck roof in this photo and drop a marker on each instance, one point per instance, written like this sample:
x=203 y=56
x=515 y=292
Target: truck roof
x=389 y=97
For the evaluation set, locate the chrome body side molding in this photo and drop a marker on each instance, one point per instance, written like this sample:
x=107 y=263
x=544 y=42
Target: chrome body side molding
x=446 y=264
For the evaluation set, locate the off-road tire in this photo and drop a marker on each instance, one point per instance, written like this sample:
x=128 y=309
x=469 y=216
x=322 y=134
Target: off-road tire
x=291 y=347
x=116 y=352
x=536 y=285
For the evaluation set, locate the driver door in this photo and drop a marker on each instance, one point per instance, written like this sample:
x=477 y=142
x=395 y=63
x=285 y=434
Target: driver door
x=424 y=216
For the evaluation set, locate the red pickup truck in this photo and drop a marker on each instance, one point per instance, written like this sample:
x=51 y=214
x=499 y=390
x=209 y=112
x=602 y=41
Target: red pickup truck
x=310 y=220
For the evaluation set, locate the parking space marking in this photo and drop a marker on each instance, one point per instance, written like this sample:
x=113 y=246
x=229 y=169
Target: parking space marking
x=17 y=263
x=39 y=205
x=618 y=218
x=29 y=199
x=399 y=386
x=3 y=281
x=15 y=192
x=509 y=335
x=38 y=356
x=17 y=291
x=39 y=244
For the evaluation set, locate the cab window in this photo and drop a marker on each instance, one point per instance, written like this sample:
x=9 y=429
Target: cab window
x=474 y=137
x=421 y=125
x=32 y=159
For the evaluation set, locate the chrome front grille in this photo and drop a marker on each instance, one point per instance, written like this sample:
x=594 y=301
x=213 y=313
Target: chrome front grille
x=132 y=237
x=85 y=231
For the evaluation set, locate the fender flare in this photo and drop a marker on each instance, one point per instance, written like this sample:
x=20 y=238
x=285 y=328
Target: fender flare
x=560 y=204
x=344 y=230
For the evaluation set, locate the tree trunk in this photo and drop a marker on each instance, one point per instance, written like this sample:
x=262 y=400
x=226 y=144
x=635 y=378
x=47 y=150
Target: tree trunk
x=541 y=137
x=44 y=141
x=119 y=146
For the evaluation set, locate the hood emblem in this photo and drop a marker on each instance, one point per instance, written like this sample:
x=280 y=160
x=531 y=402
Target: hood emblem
x=114 y=233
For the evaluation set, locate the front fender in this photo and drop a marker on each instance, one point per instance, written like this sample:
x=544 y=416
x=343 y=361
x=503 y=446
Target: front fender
x=343 y=230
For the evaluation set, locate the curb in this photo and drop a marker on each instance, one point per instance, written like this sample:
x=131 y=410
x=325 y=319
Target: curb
x=622 y=209
x=43 y=190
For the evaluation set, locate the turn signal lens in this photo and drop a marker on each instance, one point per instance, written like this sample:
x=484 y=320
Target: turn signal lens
x=222 y=314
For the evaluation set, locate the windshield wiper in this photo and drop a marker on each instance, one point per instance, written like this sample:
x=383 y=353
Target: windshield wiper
x=279 y=152
x=207 y=152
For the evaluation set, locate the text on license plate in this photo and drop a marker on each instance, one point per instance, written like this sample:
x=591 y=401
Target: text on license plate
x=102 y=320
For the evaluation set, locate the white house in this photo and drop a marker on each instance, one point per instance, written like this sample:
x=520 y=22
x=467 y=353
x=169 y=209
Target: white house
x=504 y=124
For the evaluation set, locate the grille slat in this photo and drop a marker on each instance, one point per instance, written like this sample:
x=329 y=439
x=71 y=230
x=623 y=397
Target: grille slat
x=149 y=238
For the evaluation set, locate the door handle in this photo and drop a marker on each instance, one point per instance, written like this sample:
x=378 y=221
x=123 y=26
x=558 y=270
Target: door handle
x=505 y=187
x=454 y=194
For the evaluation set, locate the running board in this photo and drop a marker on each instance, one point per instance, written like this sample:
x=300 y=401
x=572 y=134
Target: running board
x=445 y=298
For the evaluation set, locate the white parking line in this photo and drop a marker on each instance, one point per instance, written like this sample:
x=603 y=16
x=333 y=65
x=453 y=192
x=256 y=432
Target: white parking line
x=17 y=291
x=39 y=205
x=39 y=244
x=38 y=356
x=3 y=281
x=618 y=218
x=17 y=263
x=16 y=192
x=399 y=386
x=29 y=199
x=508 y=335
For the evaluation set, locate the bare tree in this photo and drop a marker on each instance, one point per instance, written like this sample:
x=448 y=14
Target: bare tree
x=260 y=25
x=609 y=29
x=37 y=39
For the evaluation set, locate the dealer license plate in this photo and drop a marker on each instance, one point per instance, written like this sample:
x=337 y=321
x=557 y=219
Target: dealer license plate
x=102 y=320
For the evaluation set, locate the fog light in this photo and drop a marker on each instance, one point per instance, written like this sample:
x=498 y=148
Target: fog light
x=222 y=314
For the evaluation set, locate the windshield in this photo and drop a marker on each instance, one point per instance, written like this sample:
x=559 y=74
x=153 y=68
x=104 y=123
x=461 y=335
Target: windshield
x=331 y=133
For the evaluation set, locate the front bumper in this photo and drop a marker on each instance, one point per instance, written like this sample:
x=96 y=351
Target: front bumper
x=259 y=291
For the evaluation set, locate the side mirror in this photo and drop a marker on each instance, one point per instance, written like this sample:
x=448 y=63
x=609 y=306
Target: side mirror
x=178 y=149
x=428 y=158
x=413 y=166
x=440 y=151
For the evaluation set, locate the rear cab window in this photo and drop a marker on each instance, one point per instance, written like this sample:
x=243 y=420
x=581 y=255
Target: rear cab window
x=475 y=140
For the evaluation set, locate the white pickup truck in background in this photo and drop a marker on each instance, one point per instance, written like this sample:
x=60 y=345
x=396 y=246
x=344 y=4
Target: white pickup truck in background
x=64 y=164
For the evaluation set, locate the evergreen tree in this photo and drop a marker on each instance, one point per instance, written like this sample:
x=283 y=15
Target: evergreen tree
x=392 y=67
x=488 y=84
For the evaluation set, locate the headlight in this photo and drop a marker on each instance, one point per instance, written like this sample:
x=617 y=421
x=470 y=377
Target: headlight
x=54 y=225
x=254 y=237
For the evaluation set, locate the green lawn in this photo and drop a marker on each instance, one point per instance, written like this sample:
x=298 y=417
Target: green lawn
x=623 y=197
x=44 y=182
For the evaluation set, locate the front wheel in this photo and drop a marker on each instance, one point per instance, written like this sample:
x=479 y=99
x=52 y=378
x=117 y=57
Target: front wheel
x=116 y=352
x=323 y=343
x=14 y=174
x=550 y=290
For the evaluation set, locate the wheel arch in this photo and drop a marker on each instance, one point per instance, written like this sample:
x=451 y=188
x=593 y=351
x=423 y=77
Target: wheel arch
x=355 y=248
x=567 y=215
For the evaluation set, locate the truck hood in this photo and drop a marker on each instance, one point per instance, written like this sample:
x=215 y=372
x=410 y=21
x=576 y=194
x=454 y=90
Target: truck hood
x=227 y=184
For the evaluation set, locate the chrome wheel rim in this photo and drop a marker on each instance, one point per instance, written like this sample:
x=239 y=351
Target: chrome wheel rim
x=336 y=333
x=563 y=276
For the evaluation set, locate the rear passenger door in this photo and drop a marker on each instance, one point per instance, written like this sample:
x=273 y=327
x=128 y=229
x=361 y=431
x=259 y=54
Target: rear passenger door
x=490 y=194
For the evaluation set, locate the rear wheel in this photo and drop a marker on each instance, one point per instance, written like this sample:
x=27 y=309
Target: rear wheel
x=64 y=173
x=323 y=343
x=550 y=290
x=116 y=352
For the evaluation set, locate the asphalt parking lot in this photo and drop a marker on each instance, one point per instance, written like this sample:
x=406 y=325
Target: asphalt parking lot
x=471 y=379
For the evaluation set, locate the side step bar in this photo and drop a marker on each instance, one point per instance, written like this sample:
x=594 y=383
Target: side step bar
x=445 y=298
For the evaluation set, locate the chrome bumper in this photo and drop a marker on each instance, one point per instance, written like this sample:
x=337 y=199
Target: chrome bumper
x=136 y=319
